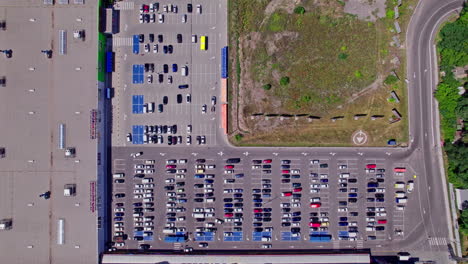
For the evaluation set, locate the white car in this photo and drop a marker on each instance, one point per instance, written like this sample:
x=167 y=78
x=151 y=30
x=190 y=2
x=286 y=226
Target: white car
x=120 y=209
x=169 y=180
x=180 y=176
x=122 y=244
x=341 y=167
x=138 y=186
x=343 y=209
x=228 y=171
x=138 y=196
x=189 y=129
x=189 y=140
x=199 y=10
x=380 y=190
x=141 y=18
x=150 y=171
x=184 y=18
x=161 y=18
x=381 y=214
x=147 y=47
x=194 y=38
x=203 y=109
x=155 y=48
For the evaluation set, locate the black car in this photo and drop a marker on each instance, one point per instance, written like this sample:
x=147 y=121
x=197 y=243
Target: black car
x=370 y=200
x=141 y=38
x=354 y=214
x=169 y=188
x=137 y=204
x=380 y=180
x=267 y=210
x=379 y=195
x=166 y=68
x=295 y=229
x=285 y=180
x=174 y=129
x=237 y=195
x=119 y=181
x=151 y=37
x=380 y=228
x=227 y=200
x=285 y=224
x=228 y=210
x=170 y=49
x=370 y=214
x=267 y=219
x=160 y=78
x=164 y=129
x=200 y=161
x=296 y=184
x=268 y=166
x=137 y=209
x=199 y=195
x=160 y=108
x=179 y=38
x=352 y=200
x=138 y=228
x=380 y=200
x=144 y=246
x=198 y=200
x=147 y=67
x=165 y=49
x=160 y=38
x=139 y=238
x=343 y=203
x=165 y=101
x=352 y=180
x=286 y=210
x=139 y=176
x=258 y=229
x=152 y=67
x=257 y=224
x=189 y=8
x=179 y=98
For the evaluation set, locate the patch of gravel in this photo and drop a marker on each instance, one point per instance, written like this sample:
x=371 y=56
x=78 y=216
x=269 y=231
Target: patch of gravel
x=367 y=10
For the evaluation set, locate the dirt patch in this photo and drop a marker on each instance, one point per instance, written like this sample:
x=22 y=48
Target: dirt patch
x=367 y=10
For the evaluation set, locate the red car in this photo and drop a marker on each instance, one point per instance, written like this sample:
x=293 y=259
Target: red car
x=382 y=221
x=312 y=224
x=171 y=166
x=371 y=166
x=267 y=161
x=399 y=169
x=297 y=189
x=228 y=215
x=258 y=210
x=145 y=8
x=315 y=205
x=286 y=194
x=229 y=167
x=285 y=171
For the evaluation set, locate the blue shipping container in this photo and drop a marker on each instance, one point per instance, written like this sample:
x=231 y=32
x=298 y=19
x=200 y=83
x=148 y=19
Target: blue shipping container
x=224 y=62
x=109 y=61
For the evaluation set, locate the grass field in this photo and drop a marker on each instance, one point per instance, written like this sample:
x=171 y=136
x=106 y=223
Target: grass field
x=316 y=63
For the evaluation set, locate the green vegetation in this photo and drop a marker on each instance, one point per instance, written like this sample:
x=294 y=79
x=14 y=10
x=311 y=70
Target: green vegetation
x=358 y=74
x=267 y=87
x=284 y=81
x=343 y=56
x=391 y=79
x=238 y=137
x=299 y=10
x=453 y=52
x=457 y=164
x=277 y=22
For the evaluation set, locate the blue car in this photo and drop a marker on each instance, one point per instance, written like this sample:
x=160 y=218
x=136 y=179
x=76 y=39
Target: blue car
x=199 y=176
x=343 y=219
x=257 y=200
x=352 y=195
x=228 y=205
x=372 y=184
x=343 y=223
x=239 y=175
x=165 y=49
x=174 y=67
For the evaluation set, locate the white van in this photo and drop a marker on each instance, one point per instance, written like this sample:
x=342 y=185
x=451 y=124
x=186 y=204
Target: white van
x=184 y=71
x=147 y=180
x=344 y=175
x=148 y=200
x=169 y=231
x=119 y=175
x=410 y=186
x=370 y=228
x=210 y=200
x=401 y=200
x=145 y=108
x=151 y=107
x=400 y=194
x=266 y=238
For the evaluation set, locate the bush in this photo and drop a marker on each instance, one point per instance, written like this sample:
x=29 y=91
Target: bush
x=267 y=87
x=342 y=56
x=284 y=80
x=239 y=137
x=390 y=14
x=391 y=79
x=299 y=10
x=358 y=74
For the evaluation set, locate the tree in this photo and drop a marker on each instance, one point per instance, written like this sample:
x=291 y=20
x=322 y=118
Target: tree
x=238 y=137
x=284 y=80
x=299 y=10
x=343 y=56
x=462 y=108
x=391 y=79
x=267 y=87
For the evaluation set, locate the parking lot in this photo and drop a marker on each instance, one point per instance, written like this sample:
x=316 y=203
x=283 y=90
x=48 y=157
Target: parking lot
x=167 y=74
x=185 y=202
